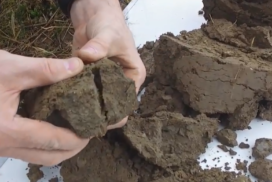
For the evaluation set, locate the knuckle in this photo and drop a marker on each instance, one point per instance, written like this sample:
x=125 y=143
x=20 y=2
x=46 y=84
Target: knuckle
x=47 y=68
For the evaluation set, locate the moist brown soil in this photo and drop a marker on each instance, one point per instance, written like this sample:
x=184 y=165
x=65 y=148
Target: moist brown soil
x=250 y=12
x=99 y=96
x=219 y=73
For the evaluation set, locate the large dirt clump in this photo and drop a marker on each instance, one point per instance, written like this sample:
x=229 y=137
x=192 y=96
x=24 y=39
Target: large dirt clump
x=250 y=12
x=220 y=68
x=87 y=103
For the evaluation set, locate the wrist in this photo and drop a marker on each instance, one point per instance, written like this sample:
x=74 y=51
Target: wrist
x=83 y=10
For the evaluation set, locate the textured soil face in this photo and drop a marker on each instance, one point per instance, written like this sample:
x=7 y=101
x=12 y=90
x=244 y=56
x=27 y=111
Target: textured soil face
x=261 y=169
x=223 y=56
x=87 y=103
x=169 y=139
x=253 y=13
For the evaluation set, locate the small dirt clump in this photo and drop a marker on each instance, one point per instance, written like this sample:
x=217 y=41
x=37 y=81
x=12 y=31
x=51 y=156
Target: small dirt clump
x=261 y=169
x=227 y=137
x=34 y=173
x=243 y=145
x=262 y=148
x=87 y=103
x=252 y=13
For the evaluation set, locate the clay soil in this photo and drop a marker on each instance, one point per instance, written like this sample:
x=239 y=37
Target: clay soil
x=220 y=73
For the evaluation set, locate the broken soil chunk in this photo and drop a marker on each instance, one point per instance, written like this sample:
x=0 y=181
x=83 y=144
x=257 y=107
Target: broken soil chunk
x=169 y=139
x=87 y=103
x=195 y=63
x=261 y=169
x=262 y=148
x=252 y=13
x=227 y=137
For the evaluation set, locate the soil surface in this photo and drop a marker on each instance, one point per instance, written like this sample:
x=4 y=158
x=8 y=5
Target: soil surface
x=99 y=96
x=262 y=148
x=251 y=12
x=261 y=169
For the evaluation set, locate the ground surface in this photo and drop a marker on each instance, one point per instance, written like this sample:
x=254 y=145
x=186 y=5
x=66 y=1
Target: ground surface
x=181 y=109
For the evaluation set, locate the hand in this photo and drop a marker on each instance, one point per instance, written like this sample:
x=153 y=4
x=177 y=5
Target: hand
x=34 y=141
x=101 y=31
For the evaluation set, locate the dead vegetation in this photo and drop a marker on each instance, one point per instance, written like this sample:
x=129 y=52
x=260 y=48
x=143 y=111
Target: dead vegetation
x=36 y=28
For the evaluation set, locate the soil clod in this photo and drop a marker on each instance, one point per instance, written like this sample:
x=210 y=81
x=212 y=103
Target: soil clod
x=243 y=145
x=262 y=148
x=261 y=169
x=227 y=137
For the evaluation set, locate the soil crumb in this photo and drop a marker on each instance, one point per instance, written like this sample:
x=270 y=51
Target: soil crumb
x=87 y=103
x=223 y=147
x=252 y=13
x=220 y=54
x=243 y=145
x=232 y=152
x=227 y=137
x=34 y=173
x=241 y=166
x=261 y=169
x=262 y=148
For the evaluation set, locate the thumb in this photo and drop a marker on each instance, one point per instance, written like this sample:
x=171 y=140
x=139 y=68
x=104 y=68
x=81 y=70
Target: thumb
x=95 y=49
x=30 y=72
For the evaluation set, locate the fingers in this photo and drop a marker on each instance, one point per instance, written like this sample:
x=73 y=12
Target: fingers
x=27 y=72
x=42 y=135
x=40 y=157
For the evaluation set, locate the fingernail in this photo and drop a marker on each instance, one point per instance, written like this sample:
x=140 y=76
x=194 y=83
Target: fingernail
x=71 y=64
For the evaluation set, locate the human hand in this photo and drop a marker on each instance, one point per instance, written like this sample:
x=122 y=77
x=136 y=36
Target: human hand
x=34 y=141
x=101 y=31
